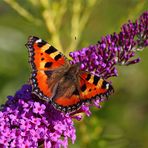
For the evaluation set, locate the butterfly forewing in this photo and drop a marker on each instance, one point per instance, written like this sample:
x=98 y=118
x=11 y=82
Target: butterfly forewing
x=92 y=86
x=43 y=56
x=45 y=61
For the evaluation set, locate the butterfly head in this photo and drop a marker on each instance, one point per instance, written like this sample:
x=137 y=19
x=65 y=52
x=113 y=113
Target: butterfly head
x=75 y=69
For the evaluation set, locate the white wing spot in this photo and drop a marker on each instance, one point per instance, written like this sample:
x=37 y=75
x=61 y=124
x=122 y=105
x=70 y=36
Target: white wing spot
x=39 y=41
x=107 y=86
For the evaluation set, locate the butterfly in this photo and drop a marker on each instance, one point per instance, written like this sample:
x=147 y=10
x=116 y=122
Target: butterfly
x=60 y=83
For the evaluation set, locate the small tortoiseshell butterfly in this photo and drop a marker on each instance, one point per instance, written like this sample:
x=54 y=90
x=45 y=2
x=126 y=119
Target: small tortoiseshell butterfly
x=57 y=81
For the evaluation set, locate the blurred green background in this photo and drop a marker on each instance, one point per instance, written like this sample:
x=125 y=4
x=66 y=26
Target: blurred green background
x=71 y=25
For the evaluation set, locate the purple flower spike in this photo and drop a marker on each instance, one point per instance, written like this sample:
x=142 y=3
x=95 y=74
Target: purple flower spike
x=115 y=49
x=27 y=121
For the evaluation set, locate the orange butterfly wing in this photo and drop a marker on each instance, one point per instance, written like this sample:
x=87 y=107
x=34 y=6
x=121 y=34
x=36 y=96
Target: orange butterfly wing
x=87 y=89
x=51 y=82
x=67 y=103
x=92 y=86
x=44 y=59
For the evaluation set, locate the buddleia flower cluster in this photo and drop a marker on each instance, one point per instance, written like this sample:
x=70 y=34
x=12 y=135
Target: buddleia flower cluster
x=115 y=49
x=27 y=121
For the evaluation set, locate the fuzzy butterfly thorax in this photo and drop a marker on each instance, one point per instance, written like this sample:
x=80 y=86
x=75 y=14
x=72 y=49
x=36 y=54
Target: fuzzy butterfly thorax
x=57 y=81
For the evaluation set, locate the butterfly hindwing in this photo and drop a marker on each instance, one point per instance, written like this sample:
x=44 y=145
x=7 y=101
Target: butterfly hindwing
x=67 y=103
x=66 y=96
x=40 y=87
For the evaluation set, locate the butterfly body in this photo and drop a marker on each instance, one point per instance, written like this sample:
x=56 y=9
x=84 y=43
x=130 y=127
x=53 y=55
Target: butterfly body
x=57 y=81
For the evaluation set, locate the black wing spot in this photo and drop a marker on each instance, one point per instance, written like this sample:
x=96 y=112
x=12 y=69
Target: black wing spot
x=96 y=79
x=50 y=50
x=104 y=85
x=83 y=88
x=88 y=77
x=89 y=89
x=48 y=64
x=42 y=59
x=57 y=57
